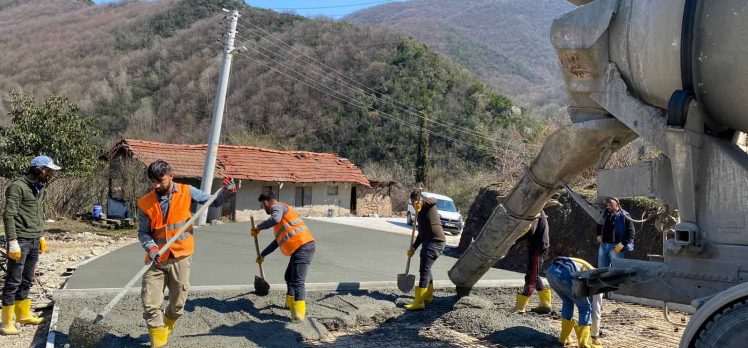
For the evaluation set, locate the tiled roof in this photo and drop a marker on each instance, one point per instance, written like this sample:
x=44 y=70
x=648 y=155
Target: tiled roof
x=247 y=163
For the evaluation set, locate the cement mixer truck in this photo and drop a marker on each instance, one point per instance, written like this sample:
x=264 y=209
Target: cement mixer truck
x=674 y=73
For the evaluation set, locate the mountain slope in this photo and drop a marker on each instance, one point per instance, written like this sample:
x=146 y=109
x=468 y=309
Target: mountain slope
x=149 y=70
x=505 y=43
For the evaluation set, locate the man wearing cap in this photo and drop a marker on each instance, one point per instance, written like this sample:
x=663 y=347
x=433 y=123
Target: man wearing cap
x=24 y=229
x=538 y=244
x=615 y=235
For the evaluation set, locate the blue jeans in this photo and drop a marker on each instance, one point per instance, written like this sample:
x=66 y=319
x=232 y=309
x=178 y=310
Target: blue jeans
x=559 y=278
x=606 y=254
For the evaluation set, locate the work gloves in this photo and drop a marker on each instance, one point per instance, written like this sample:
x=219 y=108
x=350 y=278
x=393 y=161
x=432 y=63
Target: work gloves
x=229 y=185
x=255 y=231
x=260 y=260
x=618 y=248
x=14 y=250
x=153 y=255
x=411 y=252
x=42 y=245
x=417 y=205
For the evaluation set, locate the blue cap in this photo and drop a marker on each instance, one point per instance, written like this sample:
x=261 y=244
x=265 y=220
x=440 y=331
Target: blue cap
x=44 y=161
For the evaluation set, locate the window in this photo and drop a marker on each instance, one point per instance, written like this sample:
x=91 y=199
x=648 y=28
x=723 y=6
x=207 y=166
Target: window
x=446 y=205
x=332 y=190
x=271 y=189
x=303 y=196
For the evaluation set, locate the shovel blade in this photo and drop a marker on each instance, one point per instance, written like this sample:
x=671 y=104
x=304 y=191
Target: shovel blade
x=262 y=288
x=405 y=282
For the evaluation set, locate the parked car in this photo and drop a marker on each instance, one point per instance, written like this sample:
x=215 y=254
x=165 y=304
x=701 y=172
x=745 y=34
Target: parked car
x=449 y=214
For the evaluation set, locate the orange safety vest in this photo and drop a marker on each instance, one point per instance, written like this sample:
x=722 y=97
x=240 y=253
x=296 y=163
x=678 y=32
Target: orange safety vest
x=291 y=232
x=177 y=216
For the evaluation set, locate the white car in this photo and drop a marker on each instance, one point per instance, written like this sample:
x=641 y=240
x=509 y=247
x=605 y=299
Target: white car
x=449 y=214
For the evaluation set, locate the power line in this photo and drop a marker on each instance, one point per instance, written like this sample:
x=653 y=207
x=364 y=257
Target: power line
x=392 y=102
x=348 y=100
x=352 y=83
x=337 y=6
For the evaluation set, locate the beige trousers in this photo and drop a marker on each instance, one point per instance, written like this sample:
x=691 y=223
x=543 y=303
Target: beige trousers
x=176 y=277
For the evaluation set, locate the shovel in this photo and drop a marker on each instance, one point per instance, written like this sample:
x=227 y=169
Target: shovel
x=406 y=281
x=87 y=330
x=262 y=288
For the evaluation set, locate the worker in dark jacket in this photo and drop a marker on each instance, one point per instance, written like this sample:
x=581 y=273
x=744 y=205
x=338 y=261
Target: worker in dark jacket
x=431 y=239
x=537 y=251
x=615 y=235
x=24 y=228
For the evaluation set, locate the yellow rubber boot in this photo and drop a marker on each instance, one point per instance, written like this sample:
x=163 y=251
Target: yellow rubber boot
x=9 y=325
x=169 y=324
x=545 y=302
x=521 y=304
x=583 y=336
x=24 y=315
x=418 y=303
x=289 y=301
x=429 y=296
x=299 y=310
x=567 y=326
x=159 y=336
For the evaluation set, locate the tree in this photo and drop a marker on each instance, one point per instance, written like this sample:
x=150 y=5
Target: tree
x=55 y=129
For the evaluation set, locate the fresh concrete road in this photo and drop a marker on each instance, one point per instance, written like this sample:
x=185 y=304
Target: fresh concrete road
x=225 y=255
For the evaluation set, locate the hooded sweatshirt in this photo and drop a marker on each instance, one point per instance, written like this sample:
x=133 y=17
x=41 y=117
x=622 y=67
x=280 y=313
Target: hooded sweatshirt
x=429 y=224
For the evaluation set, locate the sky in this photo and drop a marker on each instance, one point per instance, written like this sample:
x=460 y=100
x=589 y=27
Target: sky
x=309 y=8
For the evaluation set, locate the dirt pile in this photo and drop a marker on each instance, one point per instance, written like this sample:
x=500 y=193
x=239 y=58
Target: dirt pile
x=572 y=230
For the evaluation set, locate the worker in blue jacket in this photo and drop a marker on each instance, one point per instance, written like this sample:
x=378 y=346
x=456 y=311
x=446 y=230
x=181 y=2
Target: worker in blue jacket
x=615 y=235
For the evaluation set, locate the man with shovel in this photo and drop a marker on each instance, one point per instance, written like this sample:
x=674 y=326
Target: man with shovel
x=294 y=239
x=162 y=212
x=24 y=227
x=538 y=244
x=432 y=240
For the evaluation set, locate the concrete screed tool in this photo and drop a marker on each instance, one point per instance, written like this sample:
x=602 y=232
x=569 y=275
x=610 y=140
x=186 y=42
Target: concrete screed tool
x=406 y=281
x=262 y=288
x=87 y=329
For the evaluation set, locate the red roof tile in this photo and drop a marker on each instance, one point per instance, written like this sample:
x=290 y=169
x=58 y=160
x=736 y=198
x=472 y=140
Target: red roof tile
x=248 y=163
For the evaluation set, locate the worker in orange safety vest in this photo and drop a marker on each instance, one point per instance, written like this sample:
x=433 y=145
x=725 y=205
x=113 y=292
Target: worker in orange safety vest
x=162 y=212
x=294 y=239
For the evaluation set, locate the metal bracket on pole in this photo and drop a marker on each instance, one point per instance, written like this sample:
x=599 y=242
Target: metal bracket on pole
x=206 y=183
x=592 y=212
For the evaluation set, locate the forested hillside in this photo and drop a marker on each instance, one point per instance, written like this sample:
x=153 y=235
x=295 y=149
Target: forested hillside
x=505 y=43
x=149 y=70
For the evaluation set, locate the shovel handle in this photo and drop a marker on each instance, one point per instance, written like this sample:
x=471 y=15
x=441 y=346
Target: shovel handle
x=257 y=247
x=161 y=251
x=412 y=239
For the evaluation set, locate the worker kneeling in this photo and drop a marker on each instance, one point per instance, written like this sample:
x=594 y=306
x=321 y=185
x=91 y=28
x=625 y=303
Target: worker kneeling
x=560 y=278
x=294 y=239
x=432 y=240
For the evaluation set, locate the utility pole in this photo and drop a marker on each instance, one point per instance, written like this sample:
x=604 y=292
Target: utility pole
x=206 y=184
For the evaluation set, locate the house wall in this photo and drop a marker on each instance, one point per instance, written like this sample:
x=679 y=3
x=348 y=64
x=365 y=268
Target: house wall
x=247 y=204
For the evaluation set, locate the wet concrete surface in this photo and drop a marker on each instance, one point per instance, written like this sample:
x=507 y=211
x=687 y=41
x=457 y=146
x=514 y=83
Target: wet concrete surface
x=242 y=319
x=225 y=254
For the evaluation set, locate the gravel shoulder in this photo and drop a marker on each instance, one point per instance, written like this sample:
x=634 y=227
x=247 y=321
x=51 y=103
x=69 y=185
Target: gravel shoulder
x=365 y=318
x=69 y=243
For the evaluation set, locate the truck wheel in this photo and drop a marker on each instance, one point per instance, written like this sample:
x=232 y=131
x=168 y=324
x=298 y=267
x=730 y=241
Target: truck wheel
x=409 y=220
x=726 y=329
